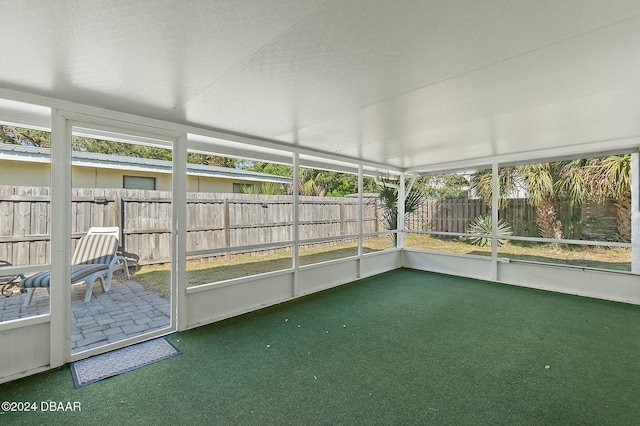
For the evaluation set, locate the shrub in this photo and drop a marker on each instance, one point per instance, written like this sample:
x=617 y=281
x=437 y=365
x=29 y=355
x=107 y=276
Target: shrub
x=482 y=226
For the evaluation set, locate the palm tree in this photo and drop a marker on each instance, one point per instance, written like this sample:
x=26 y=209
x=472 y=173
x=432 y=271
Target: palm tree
x=612 y=179
x=265 y=188
x=599 y=179
x=578 y=181
x=389 y=206
x=507 y=183
x=538 y=180
x=314 y=182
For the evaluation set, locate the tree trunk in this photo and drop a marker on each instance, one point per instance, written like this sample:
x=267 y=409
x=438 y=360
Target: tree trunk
x=623 y=218
x=547 y=220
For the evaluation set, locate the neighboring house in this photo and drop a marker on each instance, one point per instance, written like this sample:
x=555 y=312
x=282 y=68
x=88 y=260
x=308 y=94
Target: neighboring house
x=29 y=166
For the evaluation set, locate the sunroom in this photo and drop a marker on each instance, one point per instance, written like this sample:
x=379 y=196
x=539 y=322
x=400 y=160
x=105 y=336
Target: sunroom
x=386 y=94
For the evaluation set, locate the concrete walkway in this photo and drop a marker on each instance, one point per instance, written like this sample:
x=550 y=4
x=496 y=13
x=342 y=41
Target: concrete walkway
x=126 y=310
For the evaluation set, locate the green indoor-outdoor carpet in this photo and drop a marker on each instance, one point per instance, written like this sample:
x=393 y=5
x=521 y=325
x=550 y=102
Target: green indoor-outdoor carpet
x=404 y=347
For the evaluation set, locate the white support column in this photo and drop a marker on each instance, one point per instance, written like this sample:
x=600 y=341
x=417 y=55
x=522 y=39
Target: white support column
x=495 y=196
x=60 y=299
x=635 y=213
x=401 y=198
x=179 y=231
x=295 y=232
x=360 y=216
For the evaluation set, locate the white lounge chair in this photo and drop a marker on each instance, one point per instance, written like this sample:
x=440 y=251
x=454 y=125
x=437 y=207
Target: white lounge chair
x=95 y=257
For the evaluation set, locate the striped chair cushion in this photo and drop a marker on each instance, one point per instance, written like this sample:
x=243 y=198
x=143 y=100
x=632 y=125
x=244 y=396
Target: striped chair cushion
x=93 y=253
x=95 y=248
x=78 y=273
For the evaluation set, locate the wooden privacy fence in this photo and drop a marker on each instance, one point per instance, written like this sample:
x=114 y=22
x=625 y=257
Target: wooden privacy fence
x=445 y=215
x=455 y=216
x=144 y=218
x=233 y=220
x=588 y=221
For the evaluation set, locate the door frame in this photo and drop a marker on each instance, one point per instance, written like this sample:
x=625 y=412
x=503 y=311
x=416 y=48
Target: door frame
x=63 y=124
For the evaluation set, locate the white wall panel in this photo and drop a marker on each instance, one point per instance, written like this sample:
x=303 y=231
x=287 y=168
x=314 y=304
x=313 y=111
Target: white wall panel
x=24 y=350
x=465 y=266
x=215 y=302
x=618 y=287
x=221 y=301
x=322 y=276
x=377 y=263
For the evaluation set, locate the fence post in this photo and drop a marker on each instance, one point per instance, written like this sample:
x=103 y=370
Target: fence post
x=635 y=212
x=342 y=224
x=119 y=218
x=227 y=229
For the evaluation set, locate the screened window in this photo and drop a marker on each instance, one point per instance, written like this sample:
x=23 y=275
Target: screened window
x=241 y=188
x=139 y=182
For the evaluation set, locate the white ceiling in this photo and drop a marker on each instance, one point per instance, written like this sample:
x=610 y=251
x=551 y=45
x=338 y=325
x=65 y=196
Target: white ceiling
x=410 y=84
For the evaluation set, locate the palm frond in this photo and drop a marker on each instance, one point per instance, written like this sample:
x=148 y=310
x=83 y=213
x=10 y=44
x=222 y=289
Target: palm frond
x=481 y=184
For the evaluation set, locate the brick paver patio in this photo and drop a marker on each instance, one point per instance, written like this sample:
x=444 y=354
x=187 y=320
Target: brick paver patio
x=126 y=310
